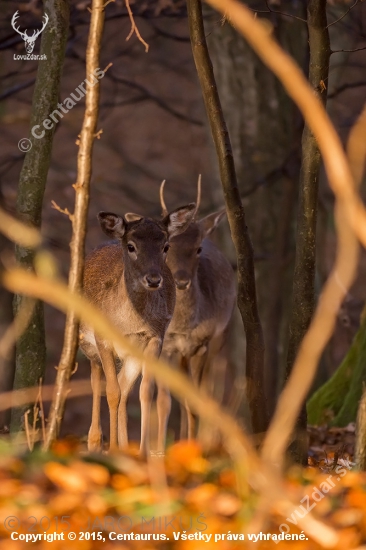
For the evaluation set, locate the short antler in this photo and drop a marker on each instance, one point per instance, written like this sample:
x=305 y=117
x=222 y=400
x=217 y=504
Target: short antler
x=198 y=201
x=164 y=210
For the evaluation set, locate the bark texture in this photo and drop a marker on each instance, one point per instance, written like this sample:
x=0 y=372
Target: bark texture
x=303 y=295
x=360 y=451
x=265 y=131
x=31 y=347
x=247 y=300
x=79 y=219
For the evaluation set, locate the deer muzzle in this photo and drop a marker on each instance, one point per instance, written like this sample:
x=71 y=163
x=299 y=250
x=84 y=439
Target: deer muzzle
x=152 y=281
x=182 y=280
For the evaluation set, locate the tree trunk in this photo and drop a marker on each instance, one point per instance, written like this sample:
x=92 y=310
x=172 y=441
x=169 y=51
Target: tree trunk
x=303 y=294
x=360 y=451
x=31 y=347
x=79 y=221
x=265 y=130
x=247 y=298
x=337 y=400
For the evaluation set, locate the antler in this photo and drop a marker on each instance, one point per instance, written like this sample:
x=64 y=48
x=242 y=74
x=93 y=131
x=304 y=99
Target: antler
x=13 y=21
x=198 y=201
x=164 y=210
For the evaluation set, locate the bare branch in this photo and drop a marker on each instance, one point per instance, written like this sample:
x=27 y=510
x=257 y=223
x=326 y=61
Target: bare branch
x=349 y=51
x=65 y=211
x=134 y=28
x=346 y=86
x=149 y=96
x=18 y=88
x=344 y=15
x=270 y=10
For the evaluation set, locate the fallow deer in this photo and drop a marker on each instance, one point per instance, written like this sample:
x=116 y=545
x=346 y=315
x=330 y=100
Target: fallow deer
x=206 y=295
x=130 y=282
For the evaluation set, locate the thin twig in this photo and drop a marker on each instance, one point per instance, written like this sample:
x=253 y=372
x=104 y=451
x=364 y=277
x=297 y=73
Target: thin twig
x=344 y=15
x=270 y=10
x=134 y=28
x=26 y=426
x=65 y=211
x=349 y=51
x=41 y=409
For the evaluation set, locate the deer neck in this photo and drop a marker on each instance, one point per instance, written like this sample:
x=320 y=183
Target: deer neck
x=185 y=312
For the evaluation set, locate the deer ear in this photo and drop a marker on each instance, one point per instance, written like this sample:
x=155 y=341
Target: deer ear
x=130 y=217
x=114 y=226
x=210 y=222
x=177 y=221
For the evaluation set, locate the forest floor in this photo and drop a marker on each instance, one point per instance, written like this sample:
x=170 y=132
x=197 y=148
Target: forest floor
x=188 y=492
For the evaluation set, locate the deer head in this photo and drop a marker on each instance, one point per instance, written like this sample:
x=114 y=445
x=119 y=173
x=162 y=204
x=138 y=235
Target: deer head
x=186 y=248
x=145 y=242
x=29 y=40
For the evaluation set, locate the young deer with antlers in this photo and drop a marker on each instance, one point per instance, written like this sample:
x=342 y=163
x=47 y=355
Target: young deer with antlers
x=130 y=282
x=206 y=295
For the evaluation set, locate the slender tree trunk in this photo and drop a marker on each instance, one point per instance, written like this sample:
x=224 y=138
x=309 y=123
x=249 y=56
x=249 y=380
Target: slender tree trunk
x=7 y=363
x=247 y=299
x=79 y=220
x=265 y=131
x=31 y=347
x=303 y=298
x=275 y=305
x=360 y=451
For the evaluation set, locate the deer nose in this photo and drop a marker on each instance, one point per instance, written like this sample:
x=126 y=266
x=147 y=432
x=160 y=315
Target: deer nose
x=153 y=280
x=182 y=280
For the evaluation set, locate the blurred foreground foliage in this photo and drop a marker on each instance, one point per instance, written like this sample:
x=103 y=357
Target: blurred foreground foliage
x=187 y=491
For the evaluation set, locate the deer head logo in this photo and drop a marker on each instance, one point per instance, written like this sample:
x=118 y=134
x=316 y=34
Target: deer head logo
x=29 y=40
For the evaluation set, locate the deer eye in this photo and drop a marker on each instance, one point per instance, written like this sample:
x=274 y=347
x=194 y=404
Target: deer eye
x=166 y=248
x=131 y=248
x=199 y=250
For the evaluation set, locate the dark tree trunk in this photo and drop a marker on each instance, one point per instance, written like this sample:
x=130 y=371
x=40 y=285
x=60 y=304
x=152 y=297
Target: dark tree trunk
x=247 y=299
x=31 y=347
x=265 y=131
x=303 y=295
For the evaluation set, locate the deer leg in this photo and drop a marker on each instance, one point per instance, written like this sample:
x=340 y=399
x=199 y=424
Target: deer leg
x=164 y=403
x=184 y=367
x=126 y=379
x=153 y=348
x=213 y=382
x=95 y=431
x=196 y=366
x=112 y=390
